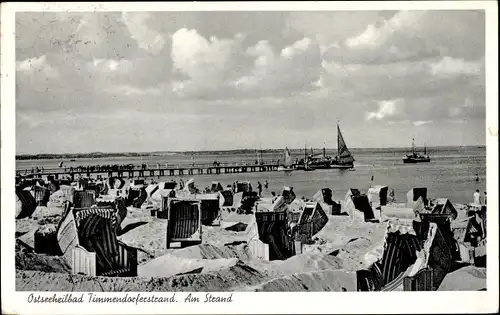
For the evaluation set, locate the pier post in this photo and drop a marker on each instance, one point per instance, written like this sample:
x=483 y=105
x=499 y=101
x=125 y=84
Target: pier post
x=181 y=171
x=200 y=171
x=151 y=173
x=171 y=172
x=190 y=171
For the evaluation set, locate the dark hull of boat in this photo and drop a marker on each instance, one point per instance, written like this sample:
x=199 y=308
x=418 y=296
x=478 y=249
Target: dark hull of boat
x=320 y=166
x=342 y=166
x=413 y=160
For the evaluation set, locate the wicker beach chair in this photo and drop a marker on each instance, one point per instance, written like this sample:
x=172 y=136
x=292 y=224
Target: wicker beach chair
x=184 y=222
x=88 y=240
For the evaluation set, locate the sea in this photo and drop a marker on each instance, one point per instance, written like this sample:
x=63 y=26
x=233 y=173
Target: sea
x=450 y=174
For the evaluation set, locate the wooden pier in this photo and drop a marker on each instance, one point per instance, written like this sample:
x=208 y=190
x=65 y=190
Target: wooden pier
x=178 y=170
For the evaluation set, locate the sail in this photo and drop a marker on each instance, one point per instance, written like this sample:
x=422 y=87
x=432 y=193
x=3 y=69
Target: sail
x=288 y=158
x=344 y=155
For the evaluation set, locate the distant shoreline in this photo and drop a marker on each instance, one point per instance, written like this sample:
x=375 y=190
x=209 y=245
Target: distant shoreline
x=44 y=156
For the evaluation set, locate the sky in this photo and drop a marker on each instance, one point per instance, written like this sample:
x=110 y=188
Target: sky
x=175 y=81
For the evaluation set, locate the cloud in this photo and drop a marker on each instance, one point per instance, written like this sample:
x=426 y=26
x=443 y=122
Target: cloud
x=110 y=65
x=421 y=122
x=207 y=63
x=413 y=36
x=147 y=38
x=296 y=68
x=270 y=75
x=298 y=47
x=385 y=109
x=33 y=66
x=329 y=28
x=448 y=66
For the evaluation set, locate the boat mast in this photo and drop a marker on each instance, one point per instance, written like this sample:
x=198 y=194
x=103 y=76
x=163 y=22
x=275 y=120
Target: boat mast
x=413 y=146
x=338 y=139
x=260 y=153
x=425 y=148
x=324 y=149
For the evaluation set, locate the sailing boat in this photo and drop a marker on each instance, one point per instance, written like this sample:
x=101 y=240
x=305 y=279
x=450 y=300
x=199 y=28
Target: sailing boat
x=344 y=158
x=287 y=167
x=415 y=157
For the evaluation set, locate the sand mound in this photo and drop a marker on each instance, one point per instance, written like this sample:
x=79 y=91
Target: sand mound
x=327 y=280
x=355 y=237
x=25 y=225
x=354 y=254
x=297 y=264
x=224 y=280
x=42 y=212
x=235 y=217
x=467 y=278
x=149 y=237
x=170 y=265
x=57 y=199
x=208 y=251
x=40 y=262
x=219 y=236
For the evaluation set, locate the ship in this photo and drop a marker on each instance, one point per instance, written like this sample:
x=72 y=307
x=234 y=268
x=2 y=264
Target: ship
x=414 y=157
x=344 y=158
x=287 y=166
x=319 y=161
x=303 y=164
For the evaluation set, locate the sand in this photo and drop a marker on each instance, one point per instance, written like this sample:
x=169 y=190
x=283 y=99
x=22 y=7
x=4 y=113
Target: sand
x=315 y=281
x=222 y=262
x=170 y=265
x=224 y=280
x=468 y=278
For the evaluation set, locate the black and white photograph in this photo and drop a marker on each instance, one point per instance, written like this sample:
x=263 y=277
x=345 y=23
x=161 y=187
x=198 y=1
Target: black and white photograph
x=250 y=150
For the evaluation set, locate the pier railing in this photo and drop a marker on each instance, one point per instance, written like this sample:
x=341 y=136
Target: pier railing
x=148 y=170
x=138 y=167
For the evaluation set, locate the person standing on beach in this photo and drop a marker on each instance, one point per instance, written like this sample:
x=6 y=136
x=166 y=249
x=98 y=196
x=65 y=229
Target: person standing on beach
x=477 y=197
x=392 y=196
x=259 y=188
x=266 y=185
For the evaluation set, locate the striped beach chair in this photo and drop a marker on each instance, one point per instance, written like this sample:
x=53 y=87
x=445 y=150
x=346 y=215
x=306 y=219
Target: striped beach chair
x=273 y=230
x=184 y=222
x=88 y=238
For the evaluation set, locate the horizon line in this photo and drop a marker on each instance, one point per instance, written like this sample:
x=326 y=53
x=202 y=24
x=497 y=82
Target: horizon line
x=231 y=150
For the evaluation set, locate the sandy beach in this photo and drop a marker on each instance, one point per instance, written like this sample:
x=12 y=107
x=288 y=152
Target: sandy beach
x=223 y=261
